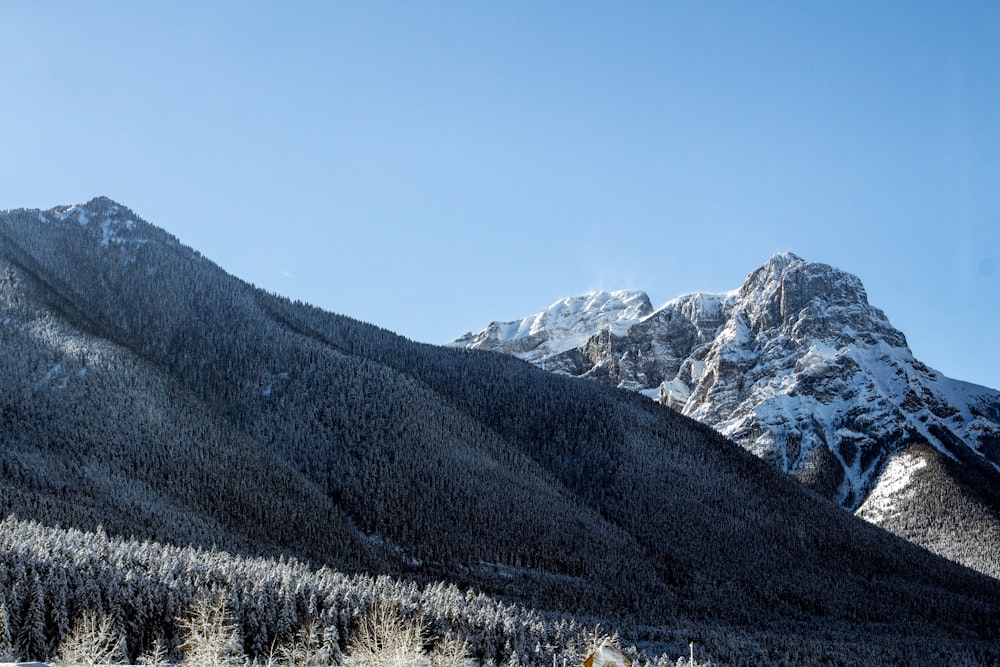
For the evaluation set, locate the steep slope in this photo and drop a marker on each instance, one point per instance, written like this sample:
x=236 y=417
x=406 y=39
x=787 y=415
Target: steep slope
x=951 y=509
x=136 y=364
x=151 y=392
x=796 y=366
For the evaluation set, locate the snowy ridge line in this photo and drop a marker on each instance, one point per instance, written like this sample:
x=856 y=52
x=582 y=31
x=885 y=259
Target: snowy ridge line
x=795 y=365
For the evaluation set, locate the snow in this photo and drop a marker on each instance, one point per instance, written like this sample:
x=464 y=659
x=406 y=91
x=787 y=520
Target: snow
x=674 y=392
x=816 y=357
x=70 y=211
x=698 y=306
x=607 y=655
x=891 y=487
x=882 y=377
x=567 y=324
x=65 y=213
x=110 y=228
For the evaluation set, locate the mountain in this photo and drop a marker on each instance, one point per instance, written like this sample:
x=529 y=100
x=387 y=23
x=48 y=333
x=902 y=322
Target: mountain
x=798 y=368
x=149 y=395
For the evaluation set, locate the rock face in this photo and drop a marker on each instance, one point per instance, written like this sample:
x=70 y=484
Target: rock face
x=795 y=365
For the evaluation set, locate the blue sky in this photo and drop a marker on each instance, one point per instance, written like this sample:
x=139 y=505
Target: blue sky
x=432 y=166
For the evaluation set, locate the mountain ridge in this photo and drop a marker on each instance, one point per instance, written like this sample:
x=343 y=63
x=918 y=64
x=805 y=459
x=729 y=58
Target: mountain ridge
x=795 y=365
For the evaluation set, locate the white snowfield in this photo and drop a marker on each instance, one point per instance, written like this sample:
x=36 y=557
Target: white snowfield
x=893 y=486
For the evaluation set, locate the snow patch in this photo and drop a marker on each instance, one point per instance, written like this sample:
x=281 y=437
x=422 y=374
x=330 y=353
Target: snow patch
x=65 y=213
x=110 y=229
x=673 y=392
x=734 y=340
x=891 y=487
x=817 y=357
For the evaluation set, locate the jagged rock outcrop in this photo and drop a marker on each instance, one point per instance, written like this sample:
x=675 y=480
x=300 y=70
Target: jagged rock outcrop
x=796 y=366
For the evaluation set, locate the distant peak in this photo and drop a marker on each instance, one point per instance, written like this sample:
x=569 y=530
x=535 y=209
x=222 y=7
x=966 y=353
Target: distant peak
x=100 y=206
x=105 y=207
x=811 y=300
x=102 y=201
x=630 y=303
x=108 y=221
x=623 y=296
x=785 y=258
x=783 y=264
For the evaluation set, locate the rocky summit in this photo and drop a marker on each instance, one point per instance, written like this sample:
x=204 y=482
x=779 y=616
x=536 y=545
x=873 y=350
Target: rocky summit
x=797 y=367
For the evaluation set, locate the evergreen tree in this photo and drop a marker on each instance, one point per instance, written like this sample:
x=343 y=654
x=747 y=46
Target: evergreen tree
x=6 y=644
x=31 y=639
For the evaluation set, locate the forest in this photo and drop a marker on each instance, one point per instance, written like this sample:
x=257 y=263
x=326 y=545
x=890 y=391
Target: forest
x=272 y=610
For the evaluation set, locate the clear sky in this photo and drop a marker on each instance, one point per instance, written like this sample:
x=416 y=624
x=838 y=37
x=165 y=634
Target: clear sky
x=432 y=166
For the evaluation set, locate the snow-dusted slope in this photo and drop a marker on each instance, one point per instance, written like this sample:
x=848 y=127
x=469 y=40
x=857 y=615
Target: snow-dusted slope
x=115 y=225
x=795 y=365
x=948 y=508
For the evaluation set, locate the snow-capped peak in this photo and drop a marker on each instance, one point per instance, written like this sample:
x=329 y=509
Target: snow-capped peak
x=795 y=365
x=565 y=324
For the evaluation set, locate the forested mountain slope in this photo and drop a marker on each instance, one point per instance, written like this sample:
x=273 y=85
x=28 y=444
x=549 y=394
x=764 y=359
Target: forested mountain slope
x=147 y=391
x=800 y=369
